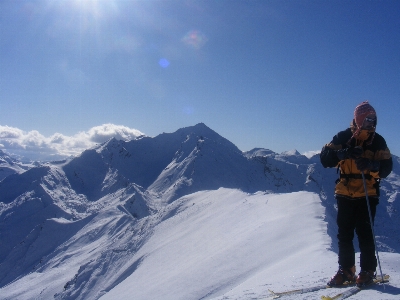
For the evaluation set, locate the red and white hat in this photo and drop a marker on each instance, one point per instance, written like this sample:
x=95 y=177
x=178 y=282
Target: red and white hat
x=362 y=110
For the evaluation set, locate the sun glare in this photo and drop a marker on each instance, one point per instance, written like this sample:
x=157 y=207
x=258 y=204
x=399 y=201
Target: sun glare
x=95 y=8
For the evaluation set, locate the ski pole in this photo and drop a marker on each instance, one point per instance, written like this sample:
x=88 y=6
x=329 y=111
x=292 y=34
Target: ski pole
x=372 y=226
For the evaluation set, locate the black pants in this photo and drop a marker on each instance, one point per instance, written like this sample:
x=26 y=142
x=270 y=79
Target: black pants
x=353 y=216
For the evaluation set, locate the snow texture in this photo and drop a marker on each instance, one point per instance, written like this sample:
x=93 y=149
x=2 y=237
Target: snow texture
x=183 y=215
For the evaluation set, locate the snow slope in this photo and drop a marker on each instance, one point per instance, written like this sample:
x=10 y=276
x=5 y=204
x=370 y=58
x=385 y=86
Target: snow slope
x=221 y=239
x=184 y=215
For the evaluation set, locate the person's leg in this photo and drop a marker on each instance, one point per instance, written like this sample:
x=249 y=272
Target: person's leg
x=346 y=224
x=346 y=221
x=368 y=260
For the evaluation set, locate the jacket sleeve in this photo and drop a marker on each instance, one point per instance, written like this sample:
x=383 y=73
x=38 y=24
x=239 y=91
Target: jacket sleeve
x=386 y=166
x=384 y=157
x=328 y=157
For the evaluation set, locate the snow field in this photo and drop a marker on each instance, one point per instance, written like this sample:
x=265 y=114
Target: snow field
x=219 y=240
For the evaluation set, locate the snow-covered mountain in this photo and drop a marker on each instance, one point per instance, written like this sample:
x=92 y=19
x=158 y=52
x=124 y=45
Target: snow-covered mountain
x=10 y=165
x=122 y=211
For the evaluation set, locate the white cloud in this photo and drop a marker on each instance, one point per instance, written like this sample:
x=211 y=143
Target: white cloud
x=9 y=132
x=35 y=146
x=104 y=132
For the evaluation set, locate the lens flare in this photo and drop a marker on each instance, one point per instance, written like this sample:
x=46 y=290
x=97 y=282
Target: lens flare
x=195 y=39
x=163 y=62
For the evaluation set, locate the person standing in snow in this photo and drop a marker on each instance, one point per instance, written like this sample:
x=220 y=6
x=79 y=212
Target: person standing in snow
x=355 y=150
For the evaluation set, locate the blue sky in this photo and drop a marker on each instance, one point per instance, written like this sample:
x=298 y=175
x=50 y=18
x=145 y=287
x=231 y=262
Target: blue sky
x=272 y=74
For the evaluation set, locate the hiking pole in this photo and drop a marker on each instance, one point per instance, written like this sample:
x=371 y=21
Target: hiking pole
x=371 y=223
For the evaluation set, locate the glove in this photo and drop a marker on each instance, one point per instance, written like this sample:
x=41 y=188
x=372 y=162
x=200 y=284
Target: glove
x=367 y=164
x=352 y=153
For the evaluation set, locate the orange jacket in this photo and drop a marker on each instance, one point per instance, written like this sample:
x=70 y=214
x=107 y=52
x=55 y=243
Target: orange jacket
x=350 y=183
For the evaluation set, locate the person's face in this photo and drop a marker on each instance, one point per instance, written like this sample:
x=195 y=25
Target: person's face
x=369 y=122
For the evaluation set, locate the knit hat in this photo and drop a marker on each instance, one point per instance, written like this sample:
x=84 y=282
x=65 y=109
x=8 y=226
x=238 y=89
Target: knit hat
x=360 y=113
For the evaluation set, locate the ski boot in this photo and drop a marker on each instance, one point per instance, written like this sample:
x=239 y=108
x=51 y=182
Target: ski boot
x=343 y=275
x=365 y=278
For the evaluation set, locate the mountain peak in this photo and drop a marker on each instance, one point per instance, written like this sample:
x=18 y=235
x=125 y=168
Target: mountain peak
x=201 y=125
x=198 y=128
x=291 y=152
x=258 y=152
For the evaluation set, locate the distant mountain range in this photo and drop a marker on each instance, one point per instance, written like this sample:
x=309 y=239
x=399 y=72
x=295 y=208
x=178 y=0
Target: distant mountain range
x=10 y=165
x=44 y=206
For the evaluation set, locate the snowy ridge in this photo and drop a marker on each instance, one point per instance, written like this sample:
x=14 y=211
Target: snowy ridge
x=184 y=215
x=10 y=165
